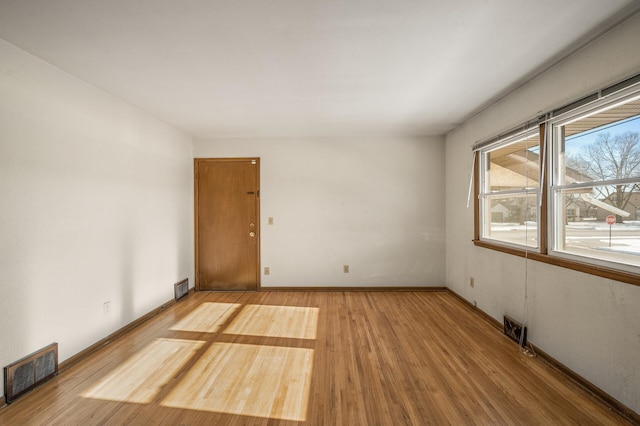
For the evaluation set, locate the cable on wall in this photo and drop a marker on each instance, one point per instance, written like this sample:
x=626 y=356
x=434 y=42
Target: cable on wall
x=528 y=350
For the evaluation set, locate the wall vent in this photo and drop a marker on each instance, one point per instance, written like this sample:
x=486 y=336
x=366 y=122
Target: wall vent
x=30 y=371
x=181 y=289
x=515 y=331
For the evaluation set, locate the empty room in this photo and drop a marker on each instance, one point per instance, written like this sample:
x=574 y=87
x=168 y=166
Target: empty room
x=305 y=212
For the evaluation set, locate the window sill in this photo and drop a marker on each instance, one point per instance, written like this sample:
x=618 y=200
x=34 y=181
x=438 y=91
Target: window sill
x=600 y=271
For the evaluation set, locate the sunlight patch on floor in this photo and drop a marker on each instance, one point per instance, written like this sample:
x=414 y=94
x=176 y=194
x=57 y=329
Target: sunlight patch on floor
x=141 y=377
x=206 y=318
x=276 y=321
x=250 y=380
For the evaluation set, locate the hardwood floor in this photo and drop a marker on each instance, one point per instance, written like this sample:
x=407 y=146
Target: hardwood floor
x=316 y=358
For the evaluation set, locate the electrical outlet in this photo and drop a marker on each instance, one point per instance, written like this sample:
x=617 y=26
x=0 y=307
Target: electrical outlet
x=106 y=308
x=472 y=282
x=345 y=269
x=266 y=270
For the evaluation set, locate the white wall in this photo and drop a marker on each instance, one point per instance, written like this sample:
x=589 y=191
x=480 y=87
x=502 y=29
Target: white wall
x=376 y=204
x=590 y=324
x=96 y=205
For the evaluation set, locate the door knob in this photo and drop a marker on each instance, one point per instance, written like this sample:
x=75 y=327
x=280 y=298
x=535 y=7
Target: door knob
x=252 y=234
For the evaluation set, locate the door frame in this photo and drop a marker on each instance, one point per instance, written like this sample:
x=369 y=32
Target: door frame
x=196 y=162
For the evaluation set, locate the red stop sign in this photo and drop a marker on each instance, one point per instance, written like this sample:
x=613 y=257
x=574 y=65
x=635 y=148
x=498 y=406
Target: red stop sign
x=611 y=219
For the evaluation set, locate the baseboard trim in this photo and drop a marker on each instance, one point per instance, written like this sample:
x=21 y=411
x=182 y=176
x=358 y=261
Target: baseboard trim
x=338 y=289
x=66 y=364
x=613 y=403
x=594 y=390
x=491 y=320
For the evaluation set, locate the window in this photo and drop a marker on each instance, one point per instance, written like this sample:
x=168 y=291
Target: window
x=509 y=193
x=565 y=188
x=596 y=175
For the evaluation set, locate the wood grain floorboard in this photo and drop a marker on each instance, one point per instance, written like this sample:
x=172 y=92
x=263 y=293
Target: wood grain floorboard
x=378 y=358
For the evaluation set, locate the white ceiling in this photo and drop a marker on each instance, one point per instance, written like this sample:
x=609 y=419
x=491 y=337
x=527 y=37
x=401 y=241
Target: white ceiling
x=307 y=68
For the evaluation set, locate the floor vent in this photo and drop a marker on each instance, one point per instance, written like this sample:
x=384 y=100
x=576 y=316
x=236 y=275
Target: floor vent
x=29 y=372
x=515 y=331
x=181 y=289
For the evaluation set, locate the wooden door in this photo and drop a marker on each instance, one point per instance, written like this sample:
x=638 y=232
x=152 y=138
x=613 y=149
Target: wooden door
x=227 y=224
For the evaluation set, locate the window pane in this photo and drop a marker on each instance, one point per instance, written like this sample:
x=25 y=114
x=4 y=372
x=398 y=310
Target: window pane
x=511 y=219
x=602 y=146
x=582 y=228
x=514 y=166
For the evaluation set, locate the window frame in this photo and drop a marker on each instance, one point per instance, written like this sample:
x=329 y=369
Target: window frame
x=557 y=185
x=545 y=252
x=484 y=194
